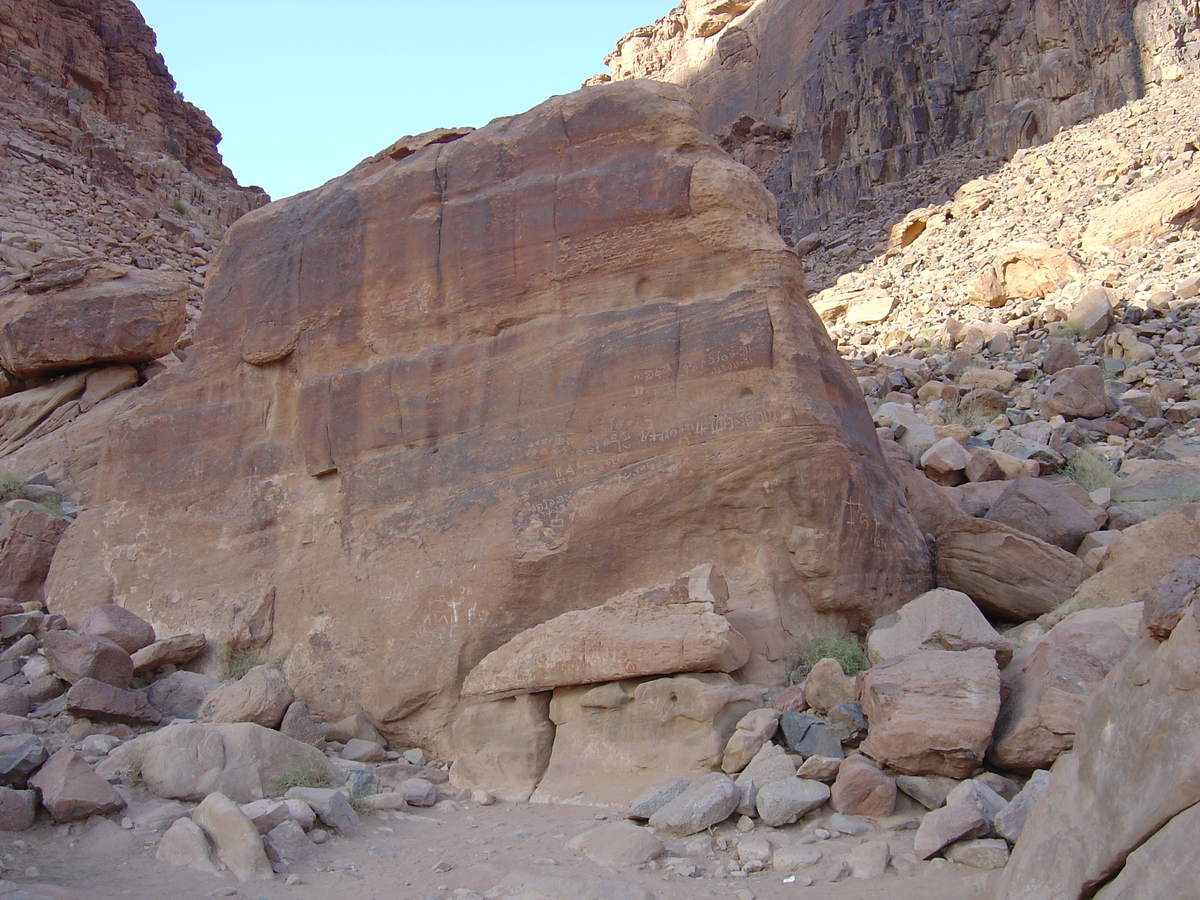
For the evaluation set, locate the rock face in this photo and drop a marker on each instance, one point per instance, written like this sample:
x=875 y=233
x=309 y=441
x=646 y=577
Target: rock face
x=1140 y=789
x=826 y=99
x=668 y=628
x=560 y=357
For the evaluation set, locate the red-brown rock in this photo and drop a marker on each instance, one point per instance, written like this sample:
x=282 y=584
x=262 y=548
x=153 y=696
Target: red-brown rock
x=932 y=711
x=560 y=357
x=861 y=789
x=27 y=544
x=74 y=656
x=103 y=313
x=127 y=630
x=71 y=790
x=97 y=700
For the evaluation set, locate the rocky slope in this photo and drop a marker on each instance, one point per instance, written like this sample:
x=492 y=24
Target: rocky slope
x=102 y=161
x=828 y=100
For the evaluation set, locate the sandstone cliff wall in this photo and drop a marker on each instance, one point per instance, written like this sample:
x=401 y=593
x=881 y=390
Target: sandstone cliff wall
x=483 y=380
x=825 y=100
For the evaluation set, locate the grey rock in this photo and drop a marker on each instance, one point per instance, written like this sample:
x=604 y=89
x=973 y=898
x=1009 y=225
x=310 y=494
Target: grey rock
x=1010 y=821
x=20 y=756
x=180 y=694
x=706 y=801
x=287 y=843
x=651 y=800
x=783 y=802
x=809 y=736
x=332 y=807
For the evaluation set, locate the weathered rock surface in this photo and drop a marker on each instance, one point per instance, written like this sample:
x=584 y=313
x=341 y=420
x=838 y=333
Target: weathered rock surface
x=1136 y=766
x=1009 y=574
x=181 y=694
x=614 y=740
x=503 y=746
x=471 y=398
x=940 y=619
x=932 y=711
x=243 y=761
x=668 y=628
x=94 y=313
x=1051 y=680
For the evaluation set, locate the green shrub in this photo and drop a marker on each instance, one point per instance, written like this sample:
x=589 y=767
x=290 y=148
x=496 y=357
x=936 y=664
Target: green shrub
x=1090 y=472
x=1065 y=330
x=848 y=653
x=303 y=774
x=12 y=486
x=178 y=206
x=79 y=95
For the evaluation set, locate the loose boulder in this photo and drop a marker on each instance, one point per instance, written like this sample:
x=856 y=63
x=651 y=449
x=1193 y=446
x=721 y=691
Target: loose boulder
x=125 y=629
x=1009 y=574
x=1051 y=680
x=940 y=619
x=107 y=314
x=675 y=627
x=260 y=696
x=932 y=711
x=70 y=789
x=243 y=761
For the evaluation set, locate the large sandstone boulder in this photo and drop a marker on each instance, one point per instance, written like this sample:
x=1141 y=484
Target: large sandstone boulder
x=1119 y=801
x=243 y=761
x=614 y=740
x=1009 y=574
x=661 y=630
x=1050 y=681
x=932 y=711
x=473 y=385
x=82 y=312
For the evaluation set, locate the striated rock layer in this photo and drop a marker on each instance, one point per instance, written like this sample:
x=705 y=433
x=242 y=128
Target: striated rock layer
x=484 y=380
x=825 y=100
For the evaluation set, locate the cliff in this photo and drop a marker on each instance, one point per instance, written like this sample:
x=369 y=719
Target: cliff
x=828 y=100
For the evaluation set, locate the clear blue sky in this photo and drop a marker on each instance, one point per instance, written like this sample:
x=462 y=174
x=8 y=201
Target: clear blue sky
x=302 y=90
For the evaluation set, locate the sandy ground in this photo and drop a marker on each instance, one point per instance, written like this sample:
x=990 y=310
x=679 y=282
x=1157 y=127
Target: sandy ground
x=445 y=853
